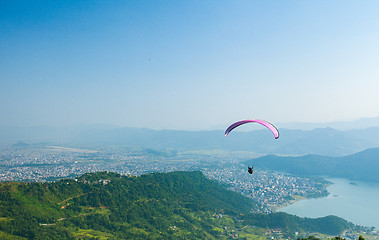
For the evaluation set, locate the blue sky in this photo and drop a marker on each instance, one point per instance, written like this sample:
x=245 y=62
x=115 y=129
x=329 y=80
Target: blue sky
x=187 y=64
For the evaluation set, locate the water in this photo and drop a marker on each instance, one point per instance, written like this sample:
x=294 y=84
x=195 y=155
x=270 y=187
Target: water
x=357 y=202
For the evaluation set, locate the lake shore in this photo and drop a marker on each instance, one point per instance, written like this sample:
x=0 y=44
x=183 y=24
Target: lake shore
x=296 y=198
x=356 y=203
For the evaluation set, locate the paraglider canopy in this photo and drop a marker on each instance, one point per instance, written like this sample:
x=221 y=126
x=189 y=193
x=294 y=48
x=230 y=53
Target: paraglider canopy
x=272 y=128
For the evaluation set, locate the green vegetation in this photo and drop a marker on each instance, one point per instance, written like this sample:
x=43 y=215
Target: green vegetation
x=335 y=238
x=330 y=225
x=176 y=205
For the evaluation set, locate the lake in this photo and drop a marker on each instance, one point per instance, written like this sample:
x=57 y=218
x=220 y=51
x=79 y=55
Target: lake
x=355 y=201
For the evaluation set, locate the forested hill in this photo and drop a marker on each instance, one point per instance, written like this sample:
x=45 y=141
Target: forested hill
x=359 y=166
x=106 y=205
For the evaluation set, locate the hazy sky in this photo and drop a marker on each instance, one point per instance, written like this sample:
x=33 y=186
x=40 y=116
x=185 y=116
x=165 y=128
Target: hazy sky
x=187 y=64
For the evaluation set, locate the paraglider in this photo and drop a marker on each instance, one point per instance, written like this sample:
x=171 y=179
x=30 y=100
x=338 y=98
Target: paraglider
x=271 y=127
x=264 y=123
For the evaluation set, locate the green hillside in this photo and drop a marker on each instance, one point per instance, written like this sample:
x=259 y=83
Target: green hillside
x=176 y=205
x=330 y=225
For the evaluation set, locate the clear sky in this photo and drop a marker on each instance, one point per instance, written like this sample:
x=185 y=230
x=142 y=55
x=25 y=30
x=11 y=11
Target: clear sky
x=187 y=64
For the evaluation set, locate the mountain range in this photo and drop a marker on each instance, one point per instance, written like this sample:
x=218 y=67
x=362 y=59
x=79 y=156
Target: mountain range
x=361 y=123
x=362 y=166
x=322 y=141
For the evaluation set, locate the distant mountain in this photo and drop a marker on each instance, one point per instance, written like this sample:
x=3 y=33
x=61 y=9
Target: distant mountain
x=360 y=166
x=361 y=123
x=322 y=141
x=176 y=205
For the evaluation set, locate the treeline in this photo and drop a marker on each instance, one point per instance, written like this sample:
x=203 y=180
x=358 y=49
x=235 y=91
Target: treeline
x=176 y=205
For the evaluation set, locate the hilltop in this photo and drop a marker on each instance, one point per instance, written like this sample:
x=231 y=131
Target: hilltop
x=153 y=206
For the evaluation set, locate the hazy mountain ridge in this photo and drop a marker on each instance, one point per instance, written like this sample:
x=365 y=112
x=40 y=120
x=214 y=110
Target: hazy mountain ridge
x=322 y=141
x=361 y=123
x=359 y=166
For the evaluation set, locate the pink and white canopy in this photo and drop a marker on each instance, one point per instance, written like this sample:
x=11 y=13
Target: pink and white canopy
x=264 y=123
